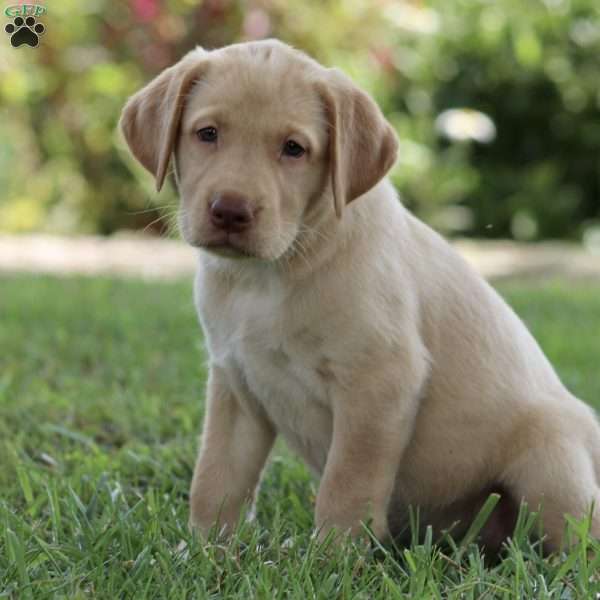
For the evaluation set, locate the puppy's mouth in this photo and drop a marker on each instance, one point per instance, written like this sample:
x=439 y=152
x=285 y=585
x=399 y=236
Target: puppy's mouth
x=227 y=246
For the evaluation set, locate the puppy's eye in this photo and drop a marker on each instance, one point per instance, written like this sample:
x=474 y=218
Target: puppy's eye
x=294 y=149
x=207 y=134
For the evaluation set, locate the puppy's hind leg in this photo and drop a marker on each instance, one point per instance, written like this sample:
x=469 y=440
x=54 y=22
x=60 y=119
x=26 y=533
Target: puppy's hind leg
x=558 y=476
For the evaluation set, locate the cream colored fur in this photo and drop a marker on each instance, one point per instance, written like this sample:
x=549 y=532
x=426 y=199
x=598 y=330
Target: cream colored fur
x=390 y=366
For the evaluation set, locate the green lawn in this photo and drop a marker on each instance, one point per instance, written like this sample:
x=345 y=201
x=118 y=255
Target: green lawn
x=101 y=391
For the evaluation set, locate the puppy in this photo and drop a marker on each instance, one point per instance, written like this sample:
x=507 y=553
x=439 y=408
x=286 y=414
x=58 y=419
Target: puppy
x=337 y=319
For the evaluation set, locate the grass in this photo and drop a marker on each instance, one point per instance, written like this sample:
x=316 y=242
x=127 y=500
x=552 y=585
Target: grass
x=101 y=390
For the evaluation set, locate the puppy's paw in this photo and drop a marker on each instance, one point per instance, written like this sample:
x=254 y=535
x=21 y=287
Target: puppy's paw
x=213 y=530
x=351 y=524
x=361 y=535
x=217 y=521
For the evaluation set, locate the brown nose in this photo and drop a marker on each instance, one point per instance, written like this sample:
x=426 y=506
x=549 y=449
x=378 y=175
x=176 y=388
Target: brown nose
x=231 y=212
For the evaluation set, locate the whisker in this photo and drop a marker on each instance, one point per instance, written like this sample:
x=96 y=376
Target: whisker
x=168 y=217
x=150 y=209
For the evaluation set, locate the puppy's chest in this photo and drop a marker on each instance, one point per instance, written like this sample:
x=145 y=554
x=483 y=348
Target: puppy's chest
x=282 y=365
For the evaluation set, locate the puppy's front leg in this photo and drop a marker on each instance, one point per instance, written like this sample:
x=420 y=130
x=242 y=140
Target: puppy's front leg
x=370 y=433
x=235 y=446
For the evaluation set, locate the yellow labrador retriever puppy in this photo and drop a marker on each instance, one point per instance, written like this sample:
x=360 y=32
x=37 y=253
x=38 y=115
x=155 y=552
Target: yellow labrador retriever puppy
x=337 y=319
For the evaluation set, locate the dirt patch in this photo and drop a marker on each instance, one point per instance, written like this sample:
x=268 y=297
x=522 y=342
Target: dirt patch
x=148 y=257
x=126 y=255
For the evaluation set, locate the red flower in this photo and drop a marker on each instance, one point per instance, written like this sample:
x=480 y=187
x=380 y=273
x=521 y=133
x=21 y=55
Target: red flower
x=145 y=10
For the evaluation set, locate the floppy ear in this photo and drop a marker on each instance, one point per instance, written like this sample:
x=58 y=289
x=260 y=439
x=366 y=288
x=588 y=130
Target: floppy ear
x=151 y=117
x=362 y=144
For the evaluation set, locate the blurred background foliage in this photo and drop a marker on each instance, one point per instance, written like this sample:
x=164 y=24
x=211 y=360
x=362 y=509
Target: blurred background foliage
x=496 y=102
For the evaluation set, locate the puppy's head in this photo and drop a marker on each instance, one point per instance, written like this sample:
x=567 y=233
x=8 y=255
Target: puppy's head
x=263 y=139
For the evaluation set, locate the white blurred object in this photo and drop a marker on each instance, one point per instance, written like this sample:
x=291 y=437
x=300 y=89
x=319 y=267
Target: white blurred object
x=591 y=240
x=413 y=18
x=462 y=124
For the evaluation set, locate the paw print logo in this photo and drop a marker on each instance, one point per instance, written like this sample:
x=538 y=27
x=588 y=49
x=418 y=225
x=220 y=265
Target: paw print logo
x=24 y=31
